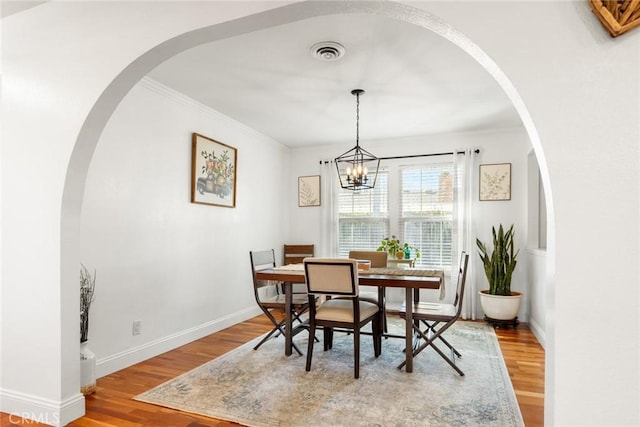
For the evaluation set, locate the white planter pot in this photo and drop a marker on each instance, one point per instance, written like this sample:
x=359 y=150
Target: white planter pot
x=500 y=307
x=87 y=369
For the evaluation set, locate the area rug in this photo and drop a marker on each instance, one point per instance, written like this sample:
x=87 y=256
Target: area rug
x=266 y=388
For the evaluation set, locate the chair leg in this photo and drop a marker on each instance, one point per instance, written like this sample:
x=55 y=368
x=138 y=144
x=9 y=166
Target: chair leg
x=356 y=352
x=296 y=316
x=443 y=339
x=277 y=328
x=262 y=341
x=445 y=357
x=377 y=336
x=295 y=347
x=385 y=327
x=430 y=342
x=312 y=332
x=328 y=338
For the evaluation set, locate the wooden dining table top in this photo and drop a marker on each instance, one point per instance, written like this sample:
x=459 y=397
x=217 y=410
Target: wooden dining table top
x=386 y=277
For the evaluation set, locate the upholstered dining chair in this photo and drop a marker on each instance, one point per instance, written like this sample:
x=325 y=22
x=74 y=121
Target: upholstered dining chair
x=378 y=258
x=369 y=293
x=276 y=301
x=437 y=318
x=331 y=277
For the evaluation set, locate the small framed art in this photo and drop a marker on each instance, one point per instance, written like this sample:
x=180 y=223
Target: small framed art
x=309 y=191
x=213 y=172
x=495 y=182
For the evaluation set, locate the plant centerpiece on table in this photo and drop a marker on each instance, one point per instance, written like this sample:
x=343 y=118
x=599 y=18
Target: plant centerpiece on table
x=396 y=249
x=499 y=302
x=87 y=358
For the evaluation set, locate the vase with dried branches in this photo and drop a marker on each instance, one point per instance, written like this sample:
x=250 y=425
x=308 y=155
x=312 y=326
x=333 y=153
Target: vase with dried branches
x=87 y=358
x=87 y=289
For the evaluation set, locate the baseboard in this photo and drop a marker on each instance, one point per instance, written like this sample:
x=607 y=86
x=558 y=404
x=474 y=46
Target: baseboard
x=537 y=331
x=36 y=409
x=129 y=357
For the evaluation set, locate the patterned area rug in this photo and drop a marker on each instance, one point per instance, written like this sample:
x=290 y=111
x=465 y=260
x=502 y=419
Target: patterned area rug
x=266 y=388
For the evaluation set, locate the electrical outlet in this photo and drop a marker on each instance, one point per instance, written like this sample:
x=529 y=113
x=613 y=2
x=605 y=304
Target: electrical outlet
x=137 y=326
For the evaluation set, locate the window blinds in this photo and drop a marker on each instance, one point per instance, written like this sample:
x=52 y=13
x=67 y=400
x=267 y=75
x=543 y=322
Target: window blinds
x=426 y=212
x=363 y=216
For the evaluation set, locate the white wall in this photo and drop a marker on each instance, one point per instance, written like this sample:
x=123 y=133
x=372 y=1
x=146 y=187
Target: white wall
x=499 y=146
x=65 y=67
x=180 y=268
x=536 y=251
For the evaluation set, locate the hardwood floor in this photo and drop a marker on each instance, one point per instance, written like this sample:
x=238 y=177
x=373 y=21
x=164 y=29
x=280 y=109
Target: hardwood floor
x=112 y=405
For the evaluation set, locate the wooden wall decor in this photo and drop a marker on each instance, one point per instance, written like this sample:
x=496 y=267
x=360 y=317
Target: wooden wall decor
x=617 y=16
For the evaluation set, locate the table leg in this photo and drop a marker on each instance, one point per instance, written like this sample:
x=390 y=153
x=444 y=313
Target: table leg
x=288 y=329
x=382 y=308
x=409 y=330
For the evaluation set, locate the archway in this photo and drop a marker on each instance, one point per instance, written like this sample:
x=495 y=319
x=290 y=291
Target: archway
x=117 y=89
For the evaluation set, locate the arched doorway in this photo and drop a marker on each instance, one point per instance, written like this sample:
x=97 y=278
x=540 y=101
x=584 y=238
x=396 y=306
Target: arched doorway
x=114 y=93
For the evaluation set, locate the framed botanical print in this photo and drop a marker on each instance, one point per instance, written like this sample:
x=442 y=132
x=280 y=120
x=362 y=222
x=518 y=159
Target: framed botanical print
x=309 y=191
x=213 y=172
x=495 y=181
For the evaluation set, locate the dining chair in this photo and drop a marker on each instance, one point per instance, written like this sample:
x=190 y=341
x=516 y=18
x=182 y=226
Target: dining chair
x=294 y=254
x=269 y=298
x=369 y=293
x=436 y=318
x=331 y=277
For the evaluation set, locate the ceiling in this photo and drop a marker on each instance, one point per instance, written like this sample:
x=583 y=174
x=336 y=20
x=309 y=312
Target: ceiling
x=416 y=82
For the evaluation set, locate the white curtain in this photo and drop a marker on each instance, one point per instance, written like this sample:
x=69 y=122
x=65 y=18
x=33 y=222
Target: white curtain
x=466 y=175
x=328 y=245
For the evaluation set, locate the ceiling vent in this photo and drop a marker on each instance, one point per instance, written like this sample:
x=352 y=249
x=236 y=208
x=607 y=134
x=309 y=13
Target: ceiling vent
x=327 y=51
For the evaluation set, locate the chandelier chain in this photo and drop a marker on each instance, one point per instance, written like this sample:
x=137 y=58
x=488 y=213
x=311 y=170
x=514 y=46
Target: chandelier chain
x=357 y=119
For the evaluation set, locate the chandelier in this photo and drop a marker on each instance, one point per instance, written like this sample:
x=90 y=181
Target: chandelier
x=357 y=168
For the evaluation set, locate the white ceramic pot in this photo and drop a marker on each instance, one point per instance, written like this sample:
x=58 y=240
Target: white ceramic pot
x=87 y=369
x=500 y=307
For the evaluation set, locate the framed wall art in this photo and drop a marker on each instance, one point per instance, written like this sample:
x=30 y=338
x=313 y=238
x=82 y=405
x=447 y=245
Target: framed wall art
x=213 y=172
x=309 y=191
x=495 y=182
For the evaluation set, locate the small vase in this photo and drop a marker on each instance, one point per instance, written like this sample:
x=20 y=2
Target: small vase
x=87 y=369
x=400 y=254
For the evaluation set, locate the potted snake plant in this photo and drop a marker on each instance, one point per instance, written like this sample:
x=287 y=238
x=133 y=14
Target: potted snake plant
x=499 y=302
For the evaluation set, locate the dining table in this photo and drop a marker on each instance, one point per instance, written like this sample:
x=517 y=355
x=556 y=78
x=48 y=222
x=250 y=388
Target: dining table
x=411 y=279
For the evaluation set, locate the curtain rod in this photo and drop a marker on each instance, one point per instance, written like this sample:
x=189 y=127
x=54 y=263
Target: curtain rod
x=425 y=155
x=417 y=155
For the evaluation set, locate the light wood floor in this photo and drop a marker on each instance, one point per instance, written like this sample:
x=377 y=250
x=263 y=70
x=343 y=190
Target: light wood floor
x=112 y=405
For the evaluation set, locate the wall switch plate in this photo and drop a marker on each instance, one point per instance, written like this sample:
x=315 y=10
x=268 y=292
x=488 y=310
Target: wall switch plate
x=137 y=326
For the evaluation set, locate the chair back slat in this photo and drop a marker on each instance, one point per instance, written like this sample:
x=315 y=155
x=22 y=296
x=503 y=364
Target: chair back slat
x=295 y=254
x=259 y=261
x=262 y=259
x=331 y=276
x=378 y=259
x=462 y=278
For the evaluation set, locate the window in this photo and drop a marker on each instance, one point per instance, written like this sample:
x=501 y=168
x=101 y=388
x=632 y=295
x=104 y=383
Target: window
x=363 y=216
x=420 y=213
x=426 y=212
